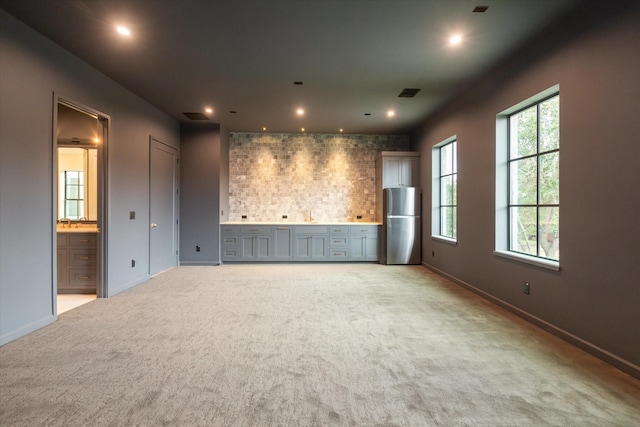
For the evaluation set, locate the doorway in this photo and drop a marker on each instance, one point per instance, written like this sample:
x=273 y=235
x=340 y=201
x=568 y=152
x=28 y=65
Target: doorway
x=80 y=138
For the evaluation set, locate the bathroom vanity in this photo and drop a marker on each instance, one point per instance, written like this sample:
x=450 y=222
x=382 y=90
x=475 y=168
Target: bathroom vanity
x=77 y=254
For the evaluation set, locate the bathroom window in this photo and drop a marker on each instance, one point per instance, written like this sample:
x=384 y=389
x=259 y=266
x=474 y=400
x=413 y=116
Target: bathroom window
x=528 y=180
x=73 y=194
x=445 y=190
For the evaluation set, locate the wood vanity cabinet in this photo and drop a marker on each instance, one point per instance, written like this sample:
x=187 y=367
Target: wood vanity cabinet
x=77 y=267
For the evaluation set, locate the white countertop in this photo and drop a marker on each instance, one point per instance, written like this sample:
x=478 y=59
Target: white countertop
x=281 y=223
x=81 y=228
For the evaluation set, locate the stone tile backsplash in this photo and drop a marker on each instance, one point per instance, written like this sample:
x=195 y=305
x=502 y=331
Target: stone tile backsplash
x=271 y=175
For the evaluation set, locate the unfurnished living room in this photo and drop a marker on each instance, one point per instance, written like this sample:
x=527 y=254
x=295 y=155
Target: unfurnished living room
x=320 y=212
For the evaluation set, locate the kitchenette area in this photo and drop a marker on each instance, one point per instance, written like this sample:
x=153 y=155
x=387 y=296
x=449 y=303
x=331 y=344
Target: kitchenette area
x=341 y=178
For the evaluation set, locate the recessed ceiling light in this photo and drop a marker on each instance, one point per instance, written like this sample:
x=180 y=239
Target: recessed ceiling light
x=341 y=130
x=208 y=110
x=123 y=31
x=264 y=128
x=300 y=112
x=391 y=113
x=455 y=40
x=302 y=129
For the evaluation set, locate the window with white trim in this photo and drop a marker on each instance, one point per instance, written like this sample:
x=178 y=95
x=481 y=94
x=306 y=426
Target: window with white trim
x=529 y=180
x=445 y=189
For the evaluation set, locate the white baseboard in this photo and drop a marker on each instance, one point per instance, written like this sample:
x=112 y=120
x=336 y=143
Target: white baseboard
x=27 y=329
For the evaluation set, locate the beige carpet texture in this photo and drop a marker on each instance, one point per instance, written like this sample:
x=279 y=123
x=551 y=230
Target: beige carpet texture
x=304 y=345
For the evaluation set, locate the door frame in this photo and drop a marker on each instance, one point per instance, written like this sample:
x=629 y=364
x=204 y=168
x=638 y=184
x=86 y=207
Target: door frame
x=176 y=203
x=104 y=127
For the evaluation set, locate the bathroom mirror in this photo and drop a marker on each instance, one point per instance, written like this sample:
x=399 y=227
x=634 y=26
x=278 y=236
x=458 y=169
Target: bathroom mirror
x=77 y=183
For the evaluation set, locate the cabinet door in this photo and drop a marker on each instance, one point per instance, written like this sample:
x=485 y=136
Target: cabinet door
x=371 y=248
x=282 y=244
x=263 y=248
x=319 y=247
x=302 y=247
x=63 y=274
x=410 y=172
x=247 y=248
x=357 y=247
x=391 y=174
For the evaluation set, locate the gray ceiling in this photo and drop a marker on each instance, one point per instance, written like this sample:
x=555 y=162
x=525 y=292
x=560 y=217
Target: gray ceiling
x=353 y=56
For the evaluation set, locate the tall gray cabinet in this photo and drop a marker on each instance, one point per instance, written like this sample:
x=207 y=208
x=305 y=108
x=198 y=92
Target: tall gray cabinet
x=395 y=169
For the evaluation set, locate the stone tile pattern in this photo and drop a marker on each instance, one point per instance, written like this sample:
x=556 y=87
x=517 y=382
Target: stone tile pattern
x=271 y=175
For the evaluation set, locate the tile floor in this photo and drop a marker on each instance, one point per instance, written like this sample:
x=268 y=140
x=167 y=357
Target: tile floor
x=68 y=302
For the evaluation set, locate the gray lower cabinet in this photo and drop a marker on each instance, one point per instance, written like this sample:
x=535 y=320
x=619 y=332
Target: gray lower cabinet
x=77 y=267
x=299 y=243
x=256 y=243
x=364 y=243
x=311 y=243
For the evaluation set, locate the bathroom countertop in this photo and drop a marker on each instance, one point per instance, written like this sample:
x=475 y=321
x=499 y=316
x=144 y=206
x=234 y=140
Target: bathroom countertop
x=90 y=228
x=281 y=223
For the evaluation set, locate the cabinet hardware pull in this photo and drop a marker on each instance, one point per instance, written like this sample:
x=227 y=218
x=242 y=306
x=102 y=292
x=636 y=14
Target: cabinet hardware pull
x=83 y=257
x=83 y=277
x=84 y=240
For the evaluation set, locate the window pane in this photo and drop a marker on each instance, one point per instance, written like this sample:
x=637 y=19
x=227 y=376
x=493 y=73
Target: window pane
x=524 y=233
x=454 y=148
x=71 y=209
x=454 y=225
x=454 y=189
x=446 y=190
x=448 y=222
x=522 y=180
x=446 y=159
x=523 y=133
x=550 y=124
x=549 y=178
x=550 y=232
x=72 y=192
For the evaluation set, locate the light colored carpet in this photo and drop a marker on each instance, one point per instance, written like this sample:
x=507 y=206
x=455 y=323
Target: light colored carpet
x=304 y=345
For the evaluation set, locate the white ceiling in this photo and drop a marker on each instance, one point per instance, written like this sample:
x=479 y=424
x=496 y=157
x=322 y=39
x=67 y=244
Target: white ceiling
x=353 y=56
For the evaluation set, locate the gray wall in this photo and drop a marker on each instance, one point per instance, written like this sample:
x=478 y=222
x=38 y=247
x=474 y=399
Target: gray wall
x=594 y=300
x=202 y=179
x=32 y=68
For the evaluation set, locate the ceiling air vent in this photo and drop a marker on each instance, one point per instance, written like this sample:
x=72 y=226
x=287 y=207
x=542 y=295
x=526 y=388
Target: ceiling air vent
x=196 y=116
x=408 y=93
x=480 y=9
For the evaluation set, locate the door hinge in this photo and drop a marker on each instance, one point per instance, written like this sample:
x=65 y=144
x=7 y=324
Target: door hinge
x=176 y=252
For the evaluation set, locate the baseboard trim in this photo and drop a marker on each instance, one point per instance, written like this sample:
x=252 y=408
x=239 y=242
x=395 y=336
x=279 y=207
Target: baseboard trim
x=27 y=329
x=612 y=359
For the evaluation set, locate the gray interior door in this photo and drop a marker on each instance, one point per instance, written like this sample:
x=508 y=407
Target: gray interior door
x=163 y=189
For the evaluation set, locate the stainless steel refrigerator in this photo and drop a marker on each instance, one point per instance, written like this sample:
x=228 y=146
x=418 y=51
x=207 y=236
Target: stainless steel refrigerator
x=400 y=242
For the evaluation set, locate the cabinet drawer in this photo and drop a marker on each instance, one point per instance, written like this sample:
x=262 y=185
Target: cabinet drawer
x=339 y=229
x=230 y=240
x=82 y=256
x=339 y=254
x=230 y=229
x=338 y=241
x=364 y=229
x=311 y=229
x=230 y=254
x=256 y=229
x=82 y=239
x=79 y=277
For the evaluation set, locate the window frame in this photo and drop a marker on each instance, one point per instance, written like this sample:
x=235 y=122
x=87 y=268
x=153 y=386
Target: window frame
x=503 y=182
x=436 y=190
x=79 y=201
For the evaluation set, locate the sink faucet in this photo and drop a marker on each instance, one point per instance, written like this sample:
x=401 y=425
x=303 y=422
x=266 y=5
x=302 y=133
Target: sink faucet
x=80 y=220
x=67 y=220
x=310 y=216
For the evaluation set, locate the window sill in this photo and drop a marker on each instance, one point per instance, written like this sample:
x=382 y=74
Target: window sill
x=538 y=262
x=445 y=240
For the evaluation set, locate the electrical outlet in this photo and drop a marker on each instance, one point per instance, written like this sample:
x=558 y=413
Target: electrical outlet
x=133 y=263
x=132 y=214
x=197 y=248
x=526 y=288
